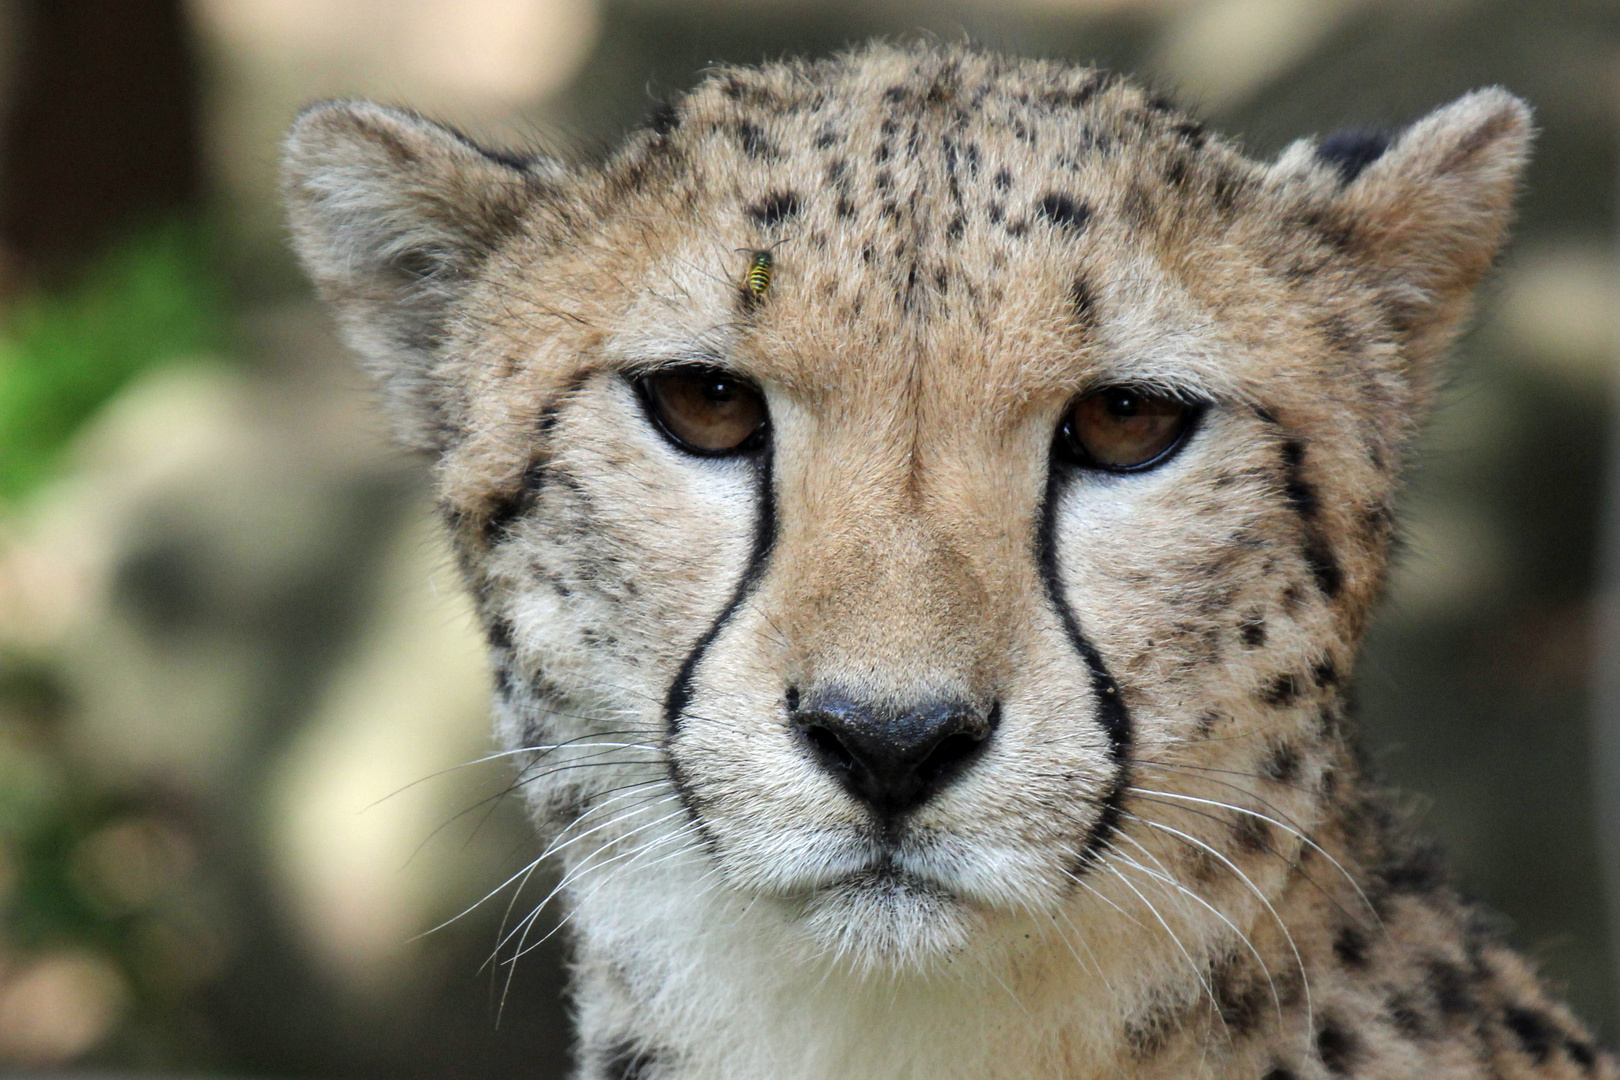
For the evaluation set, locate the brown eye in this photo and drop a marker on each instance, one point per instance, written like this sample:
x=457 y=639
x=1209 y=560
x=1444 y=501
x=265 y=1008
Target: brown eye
x=705 y=411
x=1121 y=428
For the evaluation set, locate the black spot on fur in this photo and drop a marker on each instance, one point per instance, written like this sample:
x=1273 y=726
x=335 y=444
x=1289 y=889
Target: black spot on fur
x=970 y=155
x=1207 y=722
x=1350 y=946
x=1003 y=179
x=1583 y=1054
x=1418 y=870
x=1084 y=301
x=1301 y=495
x=825 y=138
x=1191 y=132
x=1149 y=1033
x=1352 y=151
x=753 y=141
x=1281 y=690
x=1326 y=673
x=896 y=93
x=1280 y=1073
x=1239 y=996
x=1323 y=565
x=626 y=1061
x=500 y=633
x=1063 y=211
x=1226 y=189
x=1253 y=631
x=663 y=118
x=1336 y=231
x=1378 y=521
x=1282 y=764
x=995 y=213
x=1449 y=985
x=775 y=208
x=505 y=684
x=1327 y=722
x=1252 y=834
x=1535 y=1030
x=909 y=295
x=511 y=506
x=1337 y=1046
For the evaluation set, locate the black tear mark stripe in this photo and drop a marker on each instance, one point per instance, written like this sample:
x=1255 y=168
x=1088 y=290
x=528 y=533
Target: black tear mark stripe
x=1111 y=711
x=680 y=691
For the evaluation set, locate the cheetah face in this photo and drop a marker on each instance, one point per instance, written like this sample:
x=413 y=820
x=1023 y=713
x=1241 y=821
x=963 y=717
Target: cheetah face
x=892 y=502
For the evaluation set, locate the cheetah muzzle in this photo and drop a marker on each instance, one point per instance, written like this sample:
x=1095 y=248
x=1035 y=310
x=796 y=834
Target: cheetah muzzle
x=924 y=507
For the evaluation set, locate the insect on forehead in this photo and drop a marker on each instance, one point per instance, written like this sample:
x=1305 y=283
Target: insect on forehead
x=757 y=279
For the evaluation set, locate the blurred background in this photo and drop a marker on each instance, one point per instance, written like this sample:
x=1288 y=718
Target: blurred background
x=228 y=633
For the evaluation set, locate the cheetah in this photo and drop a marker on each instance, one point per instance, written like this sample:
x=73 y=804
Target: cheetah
x=924 y=507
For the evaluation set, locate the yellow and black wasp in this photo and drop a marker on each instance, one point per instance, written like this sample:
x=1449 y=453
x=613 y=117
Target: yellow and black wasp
x=761 y=264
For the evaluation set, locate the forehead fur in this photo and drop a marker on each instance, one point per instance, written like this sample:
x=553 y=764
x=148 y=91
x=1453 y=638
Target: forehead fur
x=1009 y=230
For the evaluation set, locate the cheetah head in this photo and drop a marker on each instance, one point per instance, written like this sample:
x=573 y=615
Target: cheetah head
x=916 y=496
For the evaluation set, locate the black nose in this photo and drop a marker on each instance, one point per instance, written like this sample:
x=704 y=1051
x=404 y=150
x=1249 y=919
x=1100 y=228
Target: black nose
x=892 y=759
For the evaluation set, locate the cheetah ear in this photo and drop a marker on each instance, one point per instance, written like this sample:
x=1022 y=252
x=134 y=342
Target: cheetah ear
x=1426 y=210
x=390 y=214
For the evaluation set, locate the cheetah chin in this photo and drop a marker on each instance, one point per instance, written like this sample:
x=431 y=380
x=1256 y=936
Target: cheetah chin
x=924 y=507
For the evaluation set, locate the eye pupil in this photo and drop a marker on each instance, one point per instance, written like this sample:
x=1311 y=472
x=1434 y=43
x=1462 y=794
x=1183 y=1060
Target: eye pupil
x=1121 y=402
x=1123 y=429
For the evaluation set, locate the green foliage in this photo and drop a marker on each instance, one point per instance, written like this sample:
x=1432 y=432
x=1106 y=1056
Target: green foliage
x=151 y=298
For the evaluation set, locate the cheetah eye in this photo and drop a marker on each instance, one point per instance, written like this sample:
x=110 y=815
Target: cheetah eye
x=706 y=411
x=1124 y=428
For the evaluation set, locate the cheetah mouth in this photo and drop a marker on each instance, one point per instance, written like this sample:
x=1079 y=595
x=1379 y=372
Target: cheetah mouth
x=889 y=874
x=892 y=883
x=893 y=871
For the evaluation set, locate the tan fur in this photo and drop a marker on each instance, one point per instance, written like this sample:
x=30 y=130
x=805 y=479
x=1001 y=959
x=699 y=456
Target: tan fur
x=961 y=245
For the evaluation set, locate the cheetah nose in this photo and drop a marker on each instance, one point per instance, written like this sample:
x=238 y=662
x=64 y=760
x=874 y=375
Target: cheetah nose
x=892 y=759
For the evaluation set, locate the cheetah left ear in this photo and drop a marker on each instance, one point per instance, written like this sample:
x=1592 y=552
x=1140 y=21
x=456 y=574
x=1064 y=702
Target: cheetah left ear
x=391 y=214
x=1426 y=211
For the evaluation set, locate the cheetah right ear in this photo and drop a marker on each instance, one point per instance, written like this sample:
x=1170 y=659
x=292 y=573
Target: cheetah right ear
x=1424 y=212
x=390 y=214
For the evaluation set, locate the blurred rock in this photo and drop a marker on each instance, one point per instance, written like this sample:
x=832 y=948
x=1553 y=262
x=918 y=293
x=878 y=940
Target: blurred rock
x=368 y=830
x=58 y=1006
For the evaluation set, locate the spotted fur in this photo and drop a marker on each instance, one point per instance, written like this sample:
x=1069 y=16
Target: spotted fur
x=1163 y=862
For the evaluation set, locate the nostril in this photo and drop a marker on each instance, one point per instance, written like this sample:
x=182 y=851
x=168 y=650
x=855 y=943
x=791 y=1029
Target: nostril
x=951 y=751
x=829 y=747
